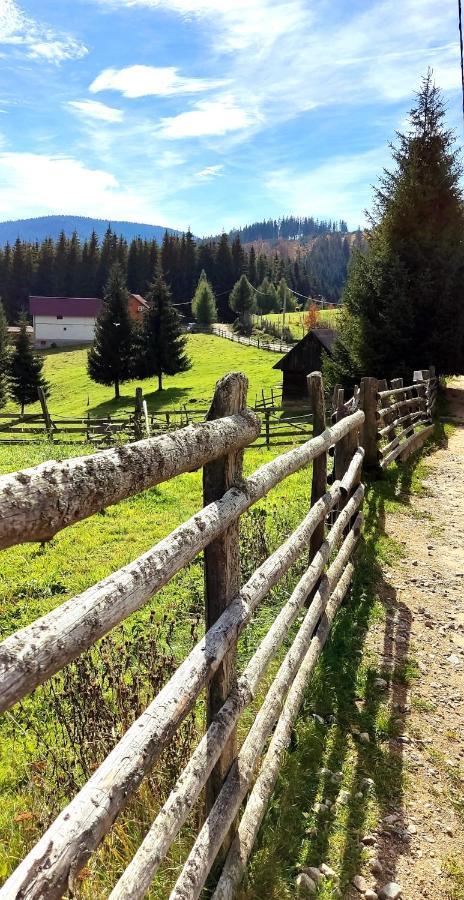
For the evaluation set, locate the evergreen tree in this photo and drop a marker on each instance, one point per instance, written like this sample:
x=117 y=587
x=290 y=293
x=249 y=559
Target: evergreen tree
x=252 y=273
x=287 y=299
x=4 y=356
x=73 y=259
x=267 y=300
x=61 y=257
x=223 y=276
x=238 y=258
x=44 y=283
x=161 y=344
x=109 y=359
x=242 y=301
x=25 y=371
x=403 y=306
x=204 y=302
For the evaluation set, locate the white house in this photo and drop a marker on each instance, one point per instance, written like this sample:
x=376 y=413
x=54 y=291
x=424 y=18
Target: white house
x=64 y=320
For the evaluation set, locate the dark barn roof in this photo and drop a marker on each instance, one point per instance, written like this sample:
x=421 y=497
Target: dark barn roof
x=300 y=354
x=65 y=306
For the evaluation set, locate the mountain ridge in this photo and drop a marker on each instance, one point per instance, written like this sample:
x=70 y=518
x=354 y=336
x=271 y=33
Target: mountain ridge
x=40 y=227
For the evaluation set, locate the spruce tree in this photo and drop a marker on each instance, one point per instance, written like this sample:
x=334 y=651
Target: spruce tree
x=204 y=302
x=160 y=342
x=110 y=357
x=4 y=356
x=25 y=370
x=242 y=302
x=402 y=304
x=267 y=300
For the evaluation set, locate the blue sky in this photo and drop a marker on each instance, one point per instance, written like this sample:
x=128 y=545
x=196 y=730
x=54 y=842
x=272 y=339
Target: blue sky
x=210 y=113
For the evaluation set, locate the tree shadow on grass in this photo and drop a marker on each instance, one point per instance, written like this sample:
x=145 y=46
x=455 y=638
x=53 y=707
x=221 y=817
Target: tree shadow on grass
x=169 y=398
x=298 y=831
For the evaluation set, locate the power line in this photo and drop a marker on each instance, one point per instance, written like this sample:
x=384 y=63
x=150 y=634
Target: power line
x=462 y=54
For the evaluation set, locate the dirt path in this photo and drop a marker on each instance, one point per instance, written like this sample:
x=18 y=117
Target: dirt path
x=421 y=844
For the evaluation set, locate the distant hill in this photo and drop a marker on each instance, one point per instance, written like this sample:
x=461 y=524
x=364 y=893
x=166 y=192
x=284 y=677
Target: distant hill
x=51 y=226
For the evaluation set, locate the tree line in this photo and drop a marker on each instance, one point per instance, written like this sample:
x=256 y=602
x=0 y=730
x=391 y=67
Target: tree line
x=68 y=267
x=292 y=228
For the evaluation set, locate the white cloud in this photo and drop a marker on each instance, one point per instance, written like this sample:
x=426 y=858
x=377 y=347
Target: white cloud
x=93 y=109
x=208 y=117
x=36 y=39
x=143 y=81
x=32 y=184
x=242 y=23
x=210 y=171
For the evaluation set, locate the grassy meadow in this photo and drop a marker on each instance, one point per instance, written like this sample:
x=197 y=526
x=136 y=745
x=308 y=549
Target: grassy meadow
x=295 y=321
x=51 y=742
x=73 y=393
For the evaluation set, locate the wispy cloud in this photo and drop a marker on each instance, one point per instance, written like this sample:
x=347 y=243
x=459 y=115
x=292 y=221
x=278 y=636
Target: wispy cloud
x=210 y=171
x=143 y=81
x=36 y=39
x=93 y=109
x=243 y=23
x=208 y=117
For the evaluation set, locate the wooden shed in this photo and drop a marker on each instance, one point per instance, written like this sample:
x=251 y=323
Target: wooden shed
x=303 y=358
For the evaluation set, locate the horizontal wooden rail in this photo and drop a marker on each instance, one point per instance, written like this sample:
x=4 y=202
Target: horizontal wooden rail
x=80 y=827
x=33 y=654
x=411 y=417
x=397 y=392
x=406 y=447
x=175 y=811
x=239 y=779
x=400 y=405
x=239 y=853
x=37 y=503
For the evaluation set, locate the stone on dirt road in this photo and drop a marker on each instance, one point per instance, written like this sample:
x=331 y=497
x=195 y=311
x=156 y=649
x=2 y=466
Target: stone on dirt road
x=390 y=891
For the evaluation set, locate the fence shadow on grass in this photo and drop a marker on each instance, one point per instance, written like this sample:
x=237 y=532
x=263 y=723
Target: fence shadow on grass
x=297 y=832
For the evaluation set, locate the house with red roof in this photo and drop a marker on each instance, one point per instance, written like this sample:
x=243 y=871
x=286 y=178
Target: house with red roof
x=59 y=321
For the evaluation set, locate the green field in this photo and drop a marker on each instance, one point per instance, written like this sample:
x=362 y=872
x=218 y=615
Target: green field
x=50 y=743
x=295 y=321
x=72 y=393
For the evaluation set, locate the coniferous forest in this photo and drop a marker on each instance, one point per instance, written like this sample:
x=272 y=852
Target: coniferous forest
x=70 y=267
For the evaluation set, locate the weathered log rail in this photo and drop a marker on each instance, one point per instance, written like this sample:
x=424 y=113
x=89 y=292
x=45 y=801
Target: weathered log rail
x=41 y=501
x=405 y=414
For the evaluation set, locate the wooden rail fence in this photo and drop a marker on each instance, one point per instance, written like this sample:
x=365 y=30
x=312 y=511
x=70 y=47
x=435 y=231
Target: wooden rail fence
x=39 y=502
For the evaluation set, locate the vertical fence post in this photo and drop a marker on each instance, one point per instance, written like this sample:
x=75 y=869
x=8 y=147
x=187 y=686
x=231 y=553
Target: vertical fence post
x=138 y=414
x=368 y=403
x=46 y=414
x=267 y=424
x=222 y=567
x=319 y=480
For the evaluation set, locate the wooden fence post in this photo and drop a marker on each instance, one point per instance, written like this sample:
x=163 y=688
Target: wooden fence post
x=267 y=424
x=368 y=403
x=46 y=414
x=222 y=568
x=319 y=480
x=138 y=414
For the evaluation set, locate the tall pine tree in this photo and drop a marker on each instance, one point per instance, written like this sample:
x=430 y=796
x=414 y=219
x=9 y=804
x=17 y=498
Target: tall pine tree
x=402 y=304
x=161 y=344
x=4 y=356
x=25 y=370
x=109 y=360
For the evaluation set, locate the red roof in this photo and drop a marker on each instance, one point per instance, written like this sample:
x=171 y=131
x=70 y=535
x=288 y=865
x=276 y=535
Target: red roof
x=65 y=306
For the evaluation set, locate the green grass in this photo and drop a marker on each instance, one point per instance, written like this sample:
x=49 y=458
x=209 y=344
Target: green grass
x=295 y=321
x=35 y=579
x=72 y=393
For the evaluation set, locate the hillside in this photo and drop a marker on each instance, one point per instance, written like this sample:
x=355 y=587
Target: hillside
x=42 y=227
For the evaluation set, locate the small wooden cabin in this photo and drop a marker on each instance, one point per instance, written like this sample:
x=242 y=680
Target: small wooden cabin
x=303 y=358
